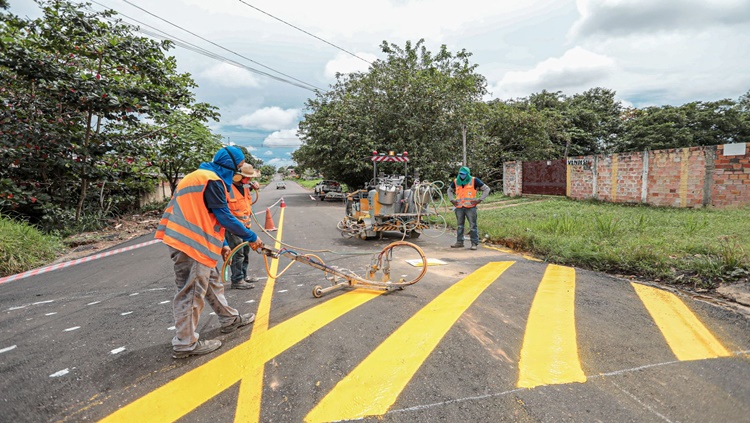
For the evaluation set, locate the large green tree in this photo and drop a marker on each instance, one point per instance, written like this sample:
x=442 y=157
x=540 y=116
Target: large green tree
x=77 y=86
x=413 y=100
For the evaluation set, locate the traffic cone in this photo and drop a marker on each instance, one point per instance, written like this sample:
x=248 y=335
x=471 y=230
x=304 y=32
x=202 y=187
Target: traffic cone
x=269 y=226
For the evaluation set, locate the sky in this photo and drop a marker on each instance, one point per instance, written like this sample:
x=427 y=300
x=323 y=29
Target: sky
x=650 y=52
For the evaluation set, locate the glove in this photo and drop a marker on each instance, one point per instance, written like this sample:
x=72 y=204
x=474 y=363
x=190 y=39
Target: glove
x=258 y=244
x=225 y=250
x=255 y=185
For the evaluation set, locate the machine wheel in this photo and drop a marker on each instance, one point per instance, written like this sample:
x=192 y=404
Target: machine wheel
x=317 y=291
x=414 y=234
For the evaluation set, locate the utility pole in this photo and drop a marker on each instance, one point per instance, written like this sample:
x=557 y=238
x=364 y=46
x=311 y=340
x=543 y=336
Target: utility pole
x=463 y=130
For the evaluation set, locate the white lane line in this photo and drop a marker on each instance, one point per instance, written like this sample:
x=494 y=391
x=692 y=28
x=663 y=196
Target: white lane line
x=6 y=349
x=50 y=314
x=283 y=290
x=62 y=372
x=212 y=313
x=18 y=307
x=646 y=406
x=164 y=302
x=117 y=350
x=301 y=284
x=95 y=302
x=43 y=302
x=133 y=294
x=126 y=313
x=251 y=301
x=156 y=289
x=171 y=328
x=72 y=329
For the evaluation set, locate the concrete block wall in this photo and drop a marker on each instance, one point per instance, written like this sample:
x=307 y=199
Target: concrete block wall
x=684 y=177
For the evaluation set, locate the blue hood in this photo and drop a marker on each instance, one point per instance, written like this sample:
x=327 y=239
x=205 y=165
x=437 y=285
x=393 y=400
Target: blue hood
x=222 y=164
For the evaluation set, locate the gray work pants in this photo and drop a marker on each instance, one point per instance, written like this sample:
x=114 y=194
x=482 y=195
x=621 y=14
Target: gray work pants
x=195 y=281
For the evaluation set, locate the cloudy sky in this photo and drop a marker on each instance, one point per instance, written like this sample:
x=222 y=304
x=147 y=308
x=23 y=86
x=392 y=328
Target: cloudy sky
x=651 y=52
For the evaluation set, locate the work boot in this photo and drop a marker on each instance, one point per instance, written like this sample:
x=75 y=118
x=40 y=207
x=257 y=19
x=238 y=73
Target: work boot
x=201 y=347
x=242 y=285
x=252 y=279
x=240 y=321
x=458 y=245
x=473 y=247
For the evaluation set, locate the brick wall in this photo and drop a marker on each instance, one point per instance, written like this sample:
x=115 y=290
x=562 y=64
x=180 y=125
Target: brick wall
x=512 y=182
x=684 y=177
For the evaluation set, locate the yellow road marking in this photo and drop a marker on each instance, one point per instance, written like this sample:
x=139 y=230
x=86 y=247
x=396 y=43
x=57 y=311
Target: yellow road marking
x=688 y=338
x=251 y=387
x=375 y=384
x=180 y=396
x=509 y=251
x=550 y=351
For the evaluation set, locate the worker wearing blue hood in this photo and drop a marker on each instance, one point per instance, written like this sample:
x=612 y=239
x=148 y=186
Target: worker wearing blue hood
x=193 y=228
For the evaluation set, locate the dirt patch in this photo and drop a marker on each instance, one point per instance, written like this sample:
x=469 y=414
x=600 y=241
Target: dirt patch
x=116 y=232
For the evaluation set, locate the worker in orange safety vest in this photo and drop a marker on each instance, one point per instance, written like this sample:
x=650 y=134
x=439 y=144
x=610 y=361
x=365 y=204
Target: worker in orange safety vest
x=193 y=228
x=241 y=206
x=462 y=193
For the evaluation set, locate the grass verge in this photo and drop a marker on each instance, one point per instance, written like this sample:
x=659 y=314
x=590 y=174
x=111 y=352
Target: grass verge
x=701 y=247
x=23 y=247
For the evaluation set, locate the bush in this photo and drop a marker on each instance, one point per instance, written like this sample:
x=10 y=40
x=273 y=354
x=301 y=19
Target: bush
x=23 y=247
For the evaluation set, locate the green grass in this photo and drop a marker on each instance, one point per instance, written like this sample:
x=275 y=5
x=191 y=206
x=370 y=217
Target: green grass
x=23 y=247
x=696 y=246
x=307 y=184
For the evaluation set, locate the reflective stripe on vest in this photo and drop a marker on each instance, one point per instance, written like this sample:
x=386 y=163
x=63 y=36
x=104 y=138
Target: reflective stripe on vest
x=466 y=195
x=241 y=206
x=188 y=226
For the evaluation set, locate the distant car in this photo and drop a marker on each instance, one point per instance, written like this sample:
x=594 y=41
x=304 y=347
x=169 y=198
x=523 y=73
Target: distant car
x=281 y=185
x=326 y=187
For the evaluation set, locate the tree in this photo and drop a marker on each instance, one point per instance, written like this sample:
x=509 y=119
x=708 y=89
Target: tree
x=78 y=86
x=412 y=101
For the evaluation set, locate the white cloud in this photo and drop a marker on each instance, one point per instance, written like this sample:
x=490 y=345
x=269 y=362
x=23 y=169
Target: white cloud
x=577 y=69
x=269 y=118
x=226 y=75
x=623 y=17
x=344 y=63
x=283 y=138
x=268 y=153
x=281 y=162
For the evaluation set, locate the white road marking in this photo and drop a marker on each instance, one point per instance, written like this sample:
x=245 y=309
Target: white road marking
x=18 y=307
x=156 y=289
x=251 y=301
x=164 y=302
x=117 y=350
x=126 y=313
x=62 y=372
x=95 y=302
x=72 y=329
x=212 y=313
x=133 y=294
x=301 y=284
x=50 y=314
x=43 y=302
x=171 y=328
x=6 y=349
x=283 y=290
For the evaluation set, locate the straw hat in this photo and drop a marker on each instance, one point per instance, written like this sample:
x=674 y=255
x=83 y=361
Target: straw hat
x=247 y=171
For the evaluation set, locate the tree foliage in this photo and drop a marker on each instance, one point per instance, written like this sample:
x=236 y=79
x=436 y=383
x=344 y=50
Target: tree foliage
x=78 y=87
x=413 y=101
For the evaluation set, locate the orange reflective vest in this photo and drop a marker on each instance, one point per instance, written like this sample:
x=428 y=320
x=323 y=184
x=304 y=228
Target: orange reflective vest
x=241 y=205
x=188 y=226
x=466 y=195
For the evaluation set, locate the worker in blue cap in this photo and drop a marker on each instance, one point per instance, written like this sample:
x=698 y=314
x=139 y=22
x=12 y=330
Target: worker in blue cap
x=462 y=193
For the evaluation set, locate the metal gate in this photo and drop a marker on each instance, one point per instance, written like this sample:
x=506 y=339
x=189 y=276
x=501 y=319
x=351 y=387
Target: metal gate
x=546 y=177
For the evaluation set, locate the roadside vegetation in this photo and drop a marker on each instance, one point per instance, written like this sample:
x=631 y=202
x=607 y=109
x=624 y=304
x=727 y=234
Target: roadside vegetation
x=698 y=247
x=23 y=247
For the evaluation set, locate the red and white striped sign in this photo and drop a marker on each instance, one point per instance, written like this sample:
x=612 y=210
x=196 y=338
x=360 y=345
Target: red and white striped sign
x=385 y=158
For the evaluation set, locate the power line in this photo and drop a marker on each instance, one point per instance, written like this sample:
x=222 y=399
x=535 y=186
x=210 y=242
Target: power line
x=302 y=30
x=306 y=84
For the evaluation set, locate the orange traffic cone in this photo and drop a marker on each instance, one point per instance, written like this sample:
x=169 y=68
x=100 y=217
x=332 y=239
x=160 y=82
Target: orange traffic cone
x=269 y=226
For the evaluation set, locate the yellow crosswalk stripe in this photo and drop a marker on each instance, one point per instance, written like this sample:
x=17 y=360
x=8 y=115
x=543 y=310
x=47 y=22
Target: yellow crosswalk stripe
x=688 y=338
x=549 y=354
x=251 y=387
x=375 y=384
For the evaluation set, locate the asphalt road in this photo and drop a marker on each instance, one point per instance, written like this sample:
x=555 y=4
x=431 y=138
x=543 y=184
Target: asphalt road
x=488 y=336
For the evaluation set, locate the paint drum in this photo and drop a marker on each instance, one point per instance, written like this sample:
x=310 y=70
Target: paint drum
x=386 y=194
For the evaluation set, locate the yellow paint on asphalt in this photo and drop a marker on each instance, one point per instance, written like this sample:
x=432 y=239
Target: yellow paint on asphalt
x=251 y=387
x=509 y=251
x=549 y=354
x=182 y=395
x=375 y=384
x=688 y=338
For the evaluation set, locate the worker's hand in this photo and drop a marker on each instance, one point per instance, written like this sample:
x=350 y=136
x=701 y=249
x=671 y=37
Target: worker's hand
x=454 y=202
x=254 y=185
x=258 y=244
x=225 y=250
x=477 y=201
